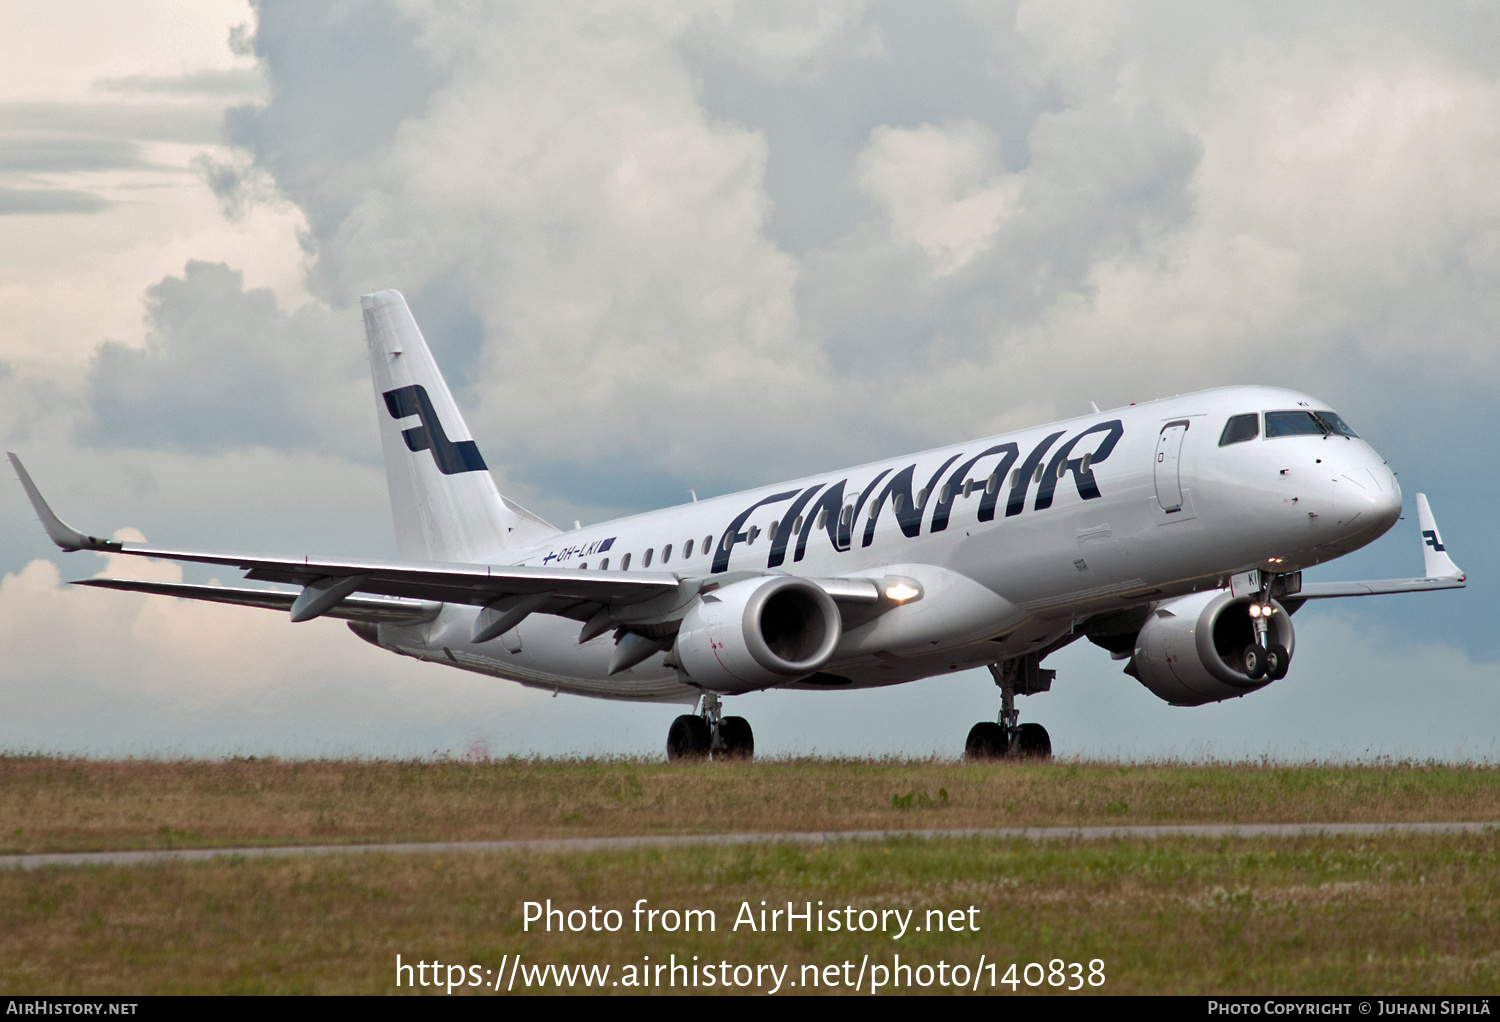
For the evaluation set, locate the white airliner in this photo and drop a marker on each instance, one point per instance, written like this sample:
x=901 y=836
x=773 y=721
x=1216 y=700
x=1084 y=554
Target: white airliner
x=1171 y=533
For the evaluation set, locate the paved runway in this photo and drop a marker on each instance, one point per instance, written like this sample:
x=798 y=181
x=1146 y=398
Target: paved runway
x=600 y=844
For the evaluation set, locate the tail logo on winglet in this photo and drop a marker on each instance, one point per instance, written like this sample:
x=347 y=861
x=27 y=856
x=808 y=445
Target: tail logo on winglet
x=451 y=457
x=1430 y=536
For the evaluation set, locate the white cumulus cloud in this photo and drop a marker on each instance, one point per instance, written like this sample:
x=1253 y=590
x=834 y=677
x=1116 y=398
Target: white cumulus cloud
x=943 y=188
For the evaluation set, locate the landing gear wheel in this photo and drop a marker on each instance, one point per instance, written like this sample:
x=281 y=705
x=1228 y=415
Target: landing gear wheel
x=1255 y=661
x=738 y=739
x=1278 y=661
x=688 y=738
x=1033 y=742
x=986 y=741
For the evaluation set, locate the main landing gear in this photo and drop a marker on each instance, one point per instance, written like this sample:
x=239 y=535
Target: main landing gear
x=989 y=740
x=709 y=733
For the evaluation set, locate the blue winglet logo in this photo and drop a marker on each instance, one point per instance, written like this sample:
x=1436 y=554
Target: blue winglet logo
x=1430 y=536
x=451 y=458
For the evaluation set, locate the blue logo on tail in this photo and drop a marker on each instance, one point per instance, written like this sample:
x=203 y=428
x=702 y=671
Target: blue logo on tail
x=1431 y=538
x=451 y=457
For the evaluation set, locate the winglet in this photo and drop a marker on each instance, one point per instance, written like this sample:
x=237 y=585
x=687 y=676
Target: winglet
x=1435 y=557
x=64 y=535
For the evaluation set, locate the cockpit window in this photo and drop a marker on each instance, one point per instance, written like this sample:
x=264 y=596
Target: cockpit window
x=1294 y=424
x=1240 y=428
x=1335 y=423
x=1306 y=424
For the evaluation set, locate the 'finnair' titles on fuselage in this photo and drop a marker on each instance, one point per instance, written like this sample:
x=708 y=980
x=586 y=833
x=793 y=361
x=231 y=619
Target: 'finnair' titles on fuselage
x=1012 y=539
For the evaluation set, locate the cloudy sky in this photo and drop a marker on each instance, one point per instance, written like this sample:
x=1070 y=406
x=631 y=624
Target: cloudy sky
x=660 y=245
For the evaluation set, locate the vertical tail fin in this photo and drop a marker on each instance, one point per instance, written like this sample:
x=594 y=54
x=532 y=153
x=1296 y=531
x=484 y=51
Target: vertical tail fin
x=443 y=501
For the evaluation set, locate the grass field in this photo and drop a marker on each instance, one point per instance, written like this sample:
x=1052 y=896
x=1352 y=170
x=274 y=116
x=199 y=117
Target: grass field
x=1325 y=915
x=73 y=805
x=1393 y=914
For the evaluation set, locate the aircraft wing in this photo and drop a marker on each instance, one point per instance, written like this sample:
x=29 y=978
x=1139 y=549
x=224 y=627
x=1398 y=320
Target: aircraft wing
x=1379 y=587
x=370 y=609
x=326 y=583
x=1442 y=573
x=476 y=584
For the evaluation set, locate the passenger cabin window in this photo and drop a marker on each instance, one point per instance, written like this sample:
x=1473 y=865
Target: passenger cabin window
x=1240 y=428
x=687 y=550
x=666 y=553
x=1306 y=424
x=604 y=564
x=708 y=543
x=625 y=563
x=646 y=561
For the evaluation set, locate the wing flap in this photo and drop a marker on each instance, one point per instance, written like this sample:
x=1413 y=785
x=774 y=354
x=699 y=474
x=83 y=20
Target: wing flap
x=372 y=610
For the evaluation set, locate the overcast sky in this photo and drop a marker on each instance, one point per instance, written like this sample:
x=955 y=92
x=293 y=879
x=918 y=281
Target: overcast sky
x=662 y=245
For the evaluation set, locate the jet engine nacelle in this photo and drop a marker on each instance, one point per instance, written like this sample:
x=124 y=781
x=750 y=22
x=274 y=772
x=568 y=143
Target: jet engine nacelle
x=1191 y=650
x=757 y=634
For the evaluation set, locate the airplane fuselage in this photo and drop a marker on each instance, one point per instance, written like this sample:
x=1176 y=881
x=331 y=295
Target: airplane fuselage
x=1172 y=534
x=1011 y=541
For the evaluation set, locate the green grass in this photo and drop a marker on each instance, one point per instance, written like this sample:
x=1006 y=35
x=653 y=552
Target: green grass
x=1393 y=914
x=49 y=804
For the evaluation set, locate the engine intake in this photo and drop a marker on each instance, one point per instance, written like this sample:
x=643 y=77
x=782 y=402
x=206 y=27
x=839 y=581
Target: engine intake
x=757 y=634
x=1190 y=651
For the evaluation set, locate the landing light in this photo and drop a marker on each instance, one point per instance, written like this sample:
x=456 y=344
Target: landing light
x=901 y=592
x=1255 y=610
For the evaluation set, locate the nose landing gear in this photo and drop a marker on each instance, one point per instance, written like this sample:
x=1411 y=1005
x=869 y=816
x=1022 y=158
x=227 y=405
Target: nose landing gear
x=1264 y=658
x=989 y=740
x=709 y=733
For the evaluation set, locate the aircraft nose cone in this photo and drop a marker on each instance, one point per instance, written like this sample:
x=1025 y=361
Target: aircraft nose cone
x=1366 y=499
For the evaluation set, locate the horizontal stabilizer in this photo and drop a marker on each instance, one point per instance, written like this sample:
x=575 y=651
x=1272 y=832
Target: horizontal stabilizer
x=370 y=609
